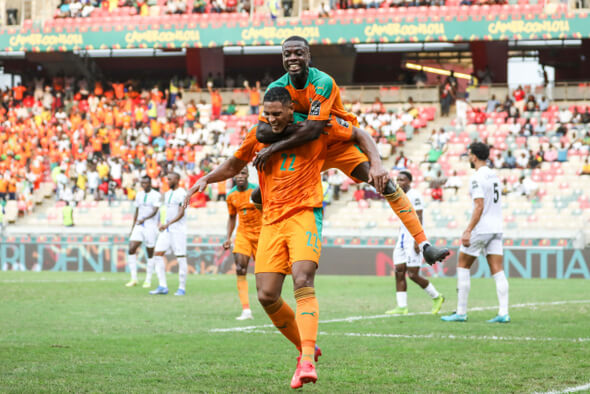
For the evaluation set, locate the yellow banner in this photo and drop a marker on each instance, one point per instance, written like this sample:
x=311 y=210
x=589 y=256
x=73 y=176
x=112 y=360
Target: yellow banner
x=156 y=36
x=410 y=29
x=51 y=40
x=279 y=33
x=517 y=27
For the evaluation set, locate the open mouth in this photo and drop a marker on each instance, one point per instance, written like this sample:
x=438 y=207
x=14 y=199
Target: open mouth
x=294 y=67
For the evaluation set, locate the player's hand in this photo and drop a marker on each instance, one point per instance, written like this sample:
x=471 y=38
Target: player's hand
x=140 y=222
x=261 y=157
x=198 y=187
x=466 y=238
x=226 y=244
x=378 y=176
x=416 y=248
x=163 y=227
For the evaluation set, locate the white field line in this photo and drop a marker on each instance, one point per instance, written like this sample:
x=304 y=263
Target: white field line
x=60 y=280
x=571 y=389
x=357 y=318
x=435 y=336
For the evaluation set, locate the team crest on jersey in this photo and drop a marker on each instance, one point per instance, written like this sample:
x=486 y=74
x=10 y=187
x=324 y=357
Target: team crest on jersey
x=315 y=108
x=474 y=184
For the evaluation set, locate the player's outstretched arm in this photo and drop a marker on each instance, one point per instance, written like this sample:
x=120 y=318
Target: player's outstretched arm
x=378 y=176
x=228 y=169
x=298 y=134
x=475 y=216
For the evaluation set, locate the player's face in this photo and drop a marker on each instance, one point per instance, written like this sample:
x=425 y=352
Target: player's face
x=172 y=181
x=242 y=178
x=146 y=185
x=278 y=114
x=403 y=182
x=295 y=57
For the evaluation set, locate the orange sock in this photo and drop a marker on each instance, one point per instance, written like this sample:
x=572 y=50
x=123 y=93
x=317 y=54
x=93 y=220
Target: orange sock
x=283 y=318
x=308 y=315
x=243 y=291
x=403 y=209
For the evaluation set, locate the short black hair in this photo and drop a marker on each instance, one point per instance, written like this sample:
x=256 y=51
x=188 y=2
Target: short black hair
x=297 y=38
x=146 y=177
x=278 y=93
x=480 y=150
x=176 y=174
x=407 y=173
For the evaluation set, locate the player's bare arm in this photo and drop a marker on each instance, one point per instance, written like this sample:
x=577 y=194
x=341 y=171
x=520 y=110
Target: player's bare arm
x=175 y=219
x=475 y=216
x=378 y=176
x=228 y=169
x=231 y=224
x=134 y=219
x=301 y=134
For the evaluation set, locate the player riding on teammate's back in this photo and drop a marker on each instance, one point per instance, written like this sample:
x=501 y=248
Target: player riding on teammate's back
x=316 y=93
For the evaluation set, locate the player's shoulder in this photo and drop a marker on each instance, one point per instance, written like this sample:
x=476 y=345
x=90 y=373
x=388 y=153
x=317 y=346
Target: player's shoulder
x=322 y=82
x=232 y=192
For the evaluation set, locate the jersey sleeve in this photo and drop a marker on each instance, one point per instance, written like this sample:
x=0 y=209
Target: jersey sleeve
x=181 y=196
x=248 y=148
x=339 y=130
x=325 y=94
x=476 y=188
x=417 y=202
x=231 y=208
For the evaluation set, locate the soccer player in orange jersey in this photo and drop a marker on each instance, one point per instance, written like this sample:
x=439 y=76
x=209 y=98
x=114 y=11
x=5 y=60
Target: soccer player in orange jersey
x=246 y=243
x=316 y=93
x=291 y=236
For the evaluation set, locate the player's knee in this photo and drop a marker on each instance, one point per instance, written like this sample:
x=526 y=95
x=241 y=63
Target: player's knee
x=266 y=297
x=302 y=281
x=414 y=275
x=241 y=269
x=361 y=171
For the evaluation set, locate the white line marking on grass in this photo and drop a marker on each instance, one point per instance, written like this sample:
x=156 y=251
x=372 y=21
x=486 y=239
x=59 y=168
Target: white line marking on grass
x=356 y=318
x=436 y=336
x=60 y=280
x=570 y=389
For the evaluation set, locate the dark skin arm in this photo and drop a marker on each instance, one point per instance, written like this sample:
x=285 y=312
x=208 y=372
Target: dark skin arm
x=231 y=224
x=300 y=134
x=151 y=215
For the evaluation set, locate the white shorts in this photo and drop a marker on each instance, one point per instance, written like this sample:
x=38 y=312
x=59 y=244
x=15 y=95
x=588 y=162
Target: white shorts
x=404 y=252
x=172 y=240
x=485 y=244
x=145 y=234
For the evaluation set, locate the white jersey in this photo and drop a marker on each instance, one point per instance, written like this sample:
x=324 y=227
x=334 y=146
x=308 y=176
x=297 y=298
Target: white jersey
x=145 y=203
x=173 y=199
x=486 y=184
x=416 y=201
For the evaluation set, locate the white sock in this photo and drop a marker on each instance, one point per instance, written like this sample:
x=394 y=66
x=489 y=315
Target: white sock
x=132 y=262
x=182 y=271
x=160 y=270
x=463 y=286
x=423 y=244
x=402 y=299
x=149 y=270
x=431 y=290
x=502 y=292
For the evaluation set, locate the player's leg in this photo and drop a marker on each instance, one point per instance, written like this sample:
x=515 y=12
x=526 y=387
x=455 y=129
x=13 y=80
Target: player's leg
x=348 y=158
x=400 y=259
x=463 y=284
x=496 y=262
x=150 y=243
x=241 y=262
x=272 y=265
x=132 y=261
x=162 y=245
x=179 y=247
x=268 y=287
x=428 y=287
x=149 y=270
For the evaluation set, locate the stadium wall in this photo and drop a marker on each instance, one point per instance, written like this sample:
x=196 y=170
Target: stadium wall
x=523 y=258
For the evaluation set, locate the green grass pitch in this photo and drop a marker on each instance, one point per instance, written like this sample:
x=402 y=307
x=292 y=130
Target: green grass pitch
x=86 y=332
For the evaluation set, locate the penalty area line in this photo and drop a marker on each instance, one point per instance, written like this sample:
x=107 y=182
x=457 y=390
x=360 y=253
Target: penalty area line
x=357 y=318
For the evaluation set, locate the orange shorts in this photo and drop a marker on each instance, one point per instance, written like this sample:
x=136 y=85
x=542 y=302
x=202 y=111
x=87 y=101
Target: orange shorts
x=297 y=238
x=345 y=156
x=246 y=243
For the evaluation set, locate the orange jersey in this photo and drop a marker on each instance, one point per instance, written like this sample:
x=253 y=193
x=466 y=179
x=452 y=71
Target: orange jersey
x=249 y=217
x=320 y=97
x=292 y=181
